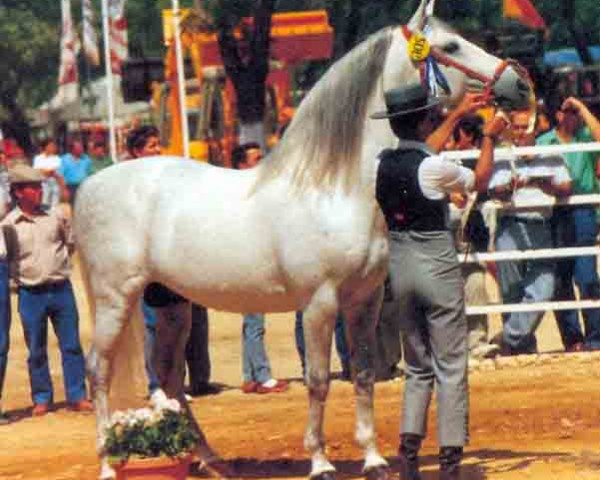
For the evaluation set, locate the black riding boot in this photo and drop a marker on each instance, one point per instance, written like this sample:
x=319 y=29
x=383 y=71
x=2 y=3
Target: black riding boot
x=408 y=452
x=450 y=458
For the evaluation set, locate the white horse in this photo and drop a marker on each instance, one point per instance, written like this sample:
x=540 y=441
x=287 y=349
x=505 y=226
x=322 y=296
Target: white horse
x=302 y=231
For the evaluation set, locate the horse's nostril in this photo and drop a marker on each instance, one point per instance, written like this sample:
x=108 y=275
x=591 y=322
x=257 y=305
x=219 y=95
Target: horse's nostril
x=522 y=85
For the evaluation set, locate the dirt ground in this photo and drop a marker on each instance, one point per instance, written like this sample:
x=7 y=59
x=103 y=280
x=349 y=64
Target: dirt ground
x=535 y=417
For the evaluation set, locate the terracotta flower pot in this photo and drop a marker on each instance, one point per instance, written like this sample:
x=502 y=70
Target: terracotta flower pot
x=159 y=468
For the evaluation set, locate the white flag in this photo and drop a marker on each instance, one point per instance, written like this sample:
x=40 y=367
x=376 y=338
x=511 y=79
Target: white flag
x=68 y=78
x=118 y=34
x=90 y=39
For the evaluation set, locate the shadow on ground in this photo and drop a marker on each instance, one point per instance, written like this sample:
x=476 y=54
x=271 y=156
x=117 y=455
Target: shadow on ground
x=477 y=465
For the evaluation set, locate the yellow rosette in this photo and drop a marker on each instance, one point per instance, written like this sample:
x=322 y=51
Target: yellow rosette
x=418 y=47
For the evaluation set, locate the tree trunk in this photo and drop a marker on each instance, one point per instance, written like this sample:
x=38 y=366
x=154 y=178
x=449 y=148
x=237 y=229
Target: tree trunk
x=246 y=63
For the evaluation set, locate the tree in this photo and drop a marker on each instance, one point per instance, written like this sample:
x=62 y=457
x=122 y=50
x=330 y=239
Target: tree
x=28 y=68
x=246 y=60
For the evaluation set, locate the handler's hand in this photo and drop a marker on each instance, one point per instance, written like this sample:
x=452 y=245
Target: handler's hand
x=470 y=103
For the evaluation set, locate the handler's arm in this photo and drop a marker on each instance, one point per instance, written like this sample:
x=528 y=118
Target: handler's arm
x=485 y=163
x=471 y=102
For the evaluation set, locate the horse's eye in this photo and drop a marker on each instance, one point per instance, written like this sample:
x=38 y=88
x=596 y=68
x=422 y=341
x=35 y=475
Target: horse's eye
x=451 y=47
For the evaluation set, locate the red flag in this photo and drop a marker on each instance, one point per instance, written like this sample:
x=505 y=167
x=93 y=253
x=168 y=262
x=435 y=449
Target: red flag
x=118 y=34
x=524 y=12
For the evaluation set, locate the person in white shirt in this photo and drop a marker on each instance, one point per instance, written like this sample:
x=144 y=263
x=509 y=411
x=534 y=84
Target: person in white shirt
x=525 y=180
x=48 y=162
x=412 y=188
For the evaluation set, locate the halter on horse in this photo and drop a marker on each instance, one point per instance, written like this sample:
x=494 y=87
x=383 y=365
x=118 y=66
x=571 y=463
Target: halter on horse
x=302 y=231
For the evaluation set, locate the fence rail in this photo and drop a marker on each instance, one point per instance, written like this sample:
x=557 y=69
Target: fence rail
x=509 y=153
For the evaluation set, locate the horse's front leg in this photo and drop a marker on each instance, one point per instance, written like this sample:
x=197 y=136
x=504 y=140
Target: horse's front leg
x=99 y=365
x=361 y=323
x=172 y=332
x=319 y=320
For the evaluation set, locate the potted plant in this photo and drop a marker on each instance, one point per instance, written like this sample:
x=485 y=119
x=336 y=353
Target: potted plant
x=150 y=442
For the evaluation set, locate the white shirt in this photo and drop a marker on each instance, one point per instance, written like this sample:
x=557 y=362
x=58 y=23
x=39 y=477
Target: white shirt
x=46 y=162
x=439 y=176
x=552 y=166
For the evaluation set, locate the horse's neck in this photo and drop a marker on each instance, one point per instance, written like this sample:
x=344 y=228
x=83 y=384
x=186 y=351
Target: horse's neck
x=377 y=134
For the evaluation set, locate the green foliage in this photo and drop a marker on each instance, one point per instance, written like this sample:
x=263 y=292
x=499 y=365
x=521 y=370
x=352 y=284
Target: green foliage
x=29 y=52
x=146 y=433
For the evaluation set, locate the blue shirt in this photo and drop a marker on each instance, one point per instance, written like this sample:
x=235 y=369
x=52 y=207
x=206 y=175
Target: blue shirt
x=75 y=171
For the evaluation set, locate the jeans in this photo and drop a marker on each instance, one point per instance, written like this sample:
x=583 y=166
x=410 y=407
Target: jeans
x=525 y=281
x=4 y=320
x=576 y=227
x=149 y=341
x=340 y=343
x=255 y=363
x=57 y=302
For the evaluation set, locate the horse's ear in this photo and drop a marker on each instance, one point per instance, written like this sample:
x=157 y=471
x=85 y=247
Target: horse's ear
x=419 y=19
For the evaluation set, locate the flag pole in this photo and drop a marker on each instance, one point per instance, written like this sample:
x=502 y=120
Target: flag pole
x=109 y=83
x=181 y=78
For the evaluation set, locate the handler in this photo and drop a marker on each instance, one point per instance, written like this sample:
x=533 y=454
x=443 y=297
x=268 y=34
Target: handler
x=412 y=188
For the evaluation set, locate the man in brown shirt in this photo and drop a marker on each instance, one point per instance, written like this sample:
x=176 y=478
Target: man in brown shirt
x=39 y=243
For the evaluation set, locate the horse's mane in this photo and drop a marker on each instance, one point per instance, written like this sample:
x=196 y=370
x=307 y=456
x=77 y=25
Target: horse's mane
x=323 y=142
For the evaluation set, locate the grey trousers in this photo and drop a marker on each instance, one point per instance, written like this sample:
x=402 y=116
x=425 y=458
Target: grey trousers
x=428 y=287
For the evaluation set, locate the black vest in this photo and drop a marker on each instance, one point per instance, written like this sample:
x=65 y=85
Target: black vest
x=400 y=196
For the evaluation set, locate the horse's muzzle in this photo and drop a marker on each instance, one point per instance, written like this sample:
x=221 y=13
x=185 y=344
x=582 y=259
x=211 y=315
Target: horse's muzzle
x=512 y=90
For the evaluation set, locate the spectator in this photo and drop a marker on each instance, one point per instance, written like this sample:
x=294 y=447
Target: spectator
x=39 y=245
x=577 y=226
x=256 y=367
x=75 y=167
x=531 y=178
x=49 y=162
x=412 y=187
x=5 y=315
x=471 y=234
x=100 y=159
x=340 y=344
x=144 y=141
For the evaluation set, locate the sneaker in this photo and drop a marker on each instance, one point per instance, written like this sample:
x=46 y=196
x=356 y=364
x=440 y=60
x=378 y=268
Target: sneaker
x=278 y=387
x=249 y=387
x=81 y=406
x=40 y=409
x=4 y=419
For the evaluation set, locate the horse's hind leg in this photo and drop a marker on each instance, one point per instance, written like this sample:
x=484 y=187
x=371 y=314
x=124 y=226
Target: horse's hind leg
x=361 y=322
x=319 y=319
x=172 y=332
x=110 y=321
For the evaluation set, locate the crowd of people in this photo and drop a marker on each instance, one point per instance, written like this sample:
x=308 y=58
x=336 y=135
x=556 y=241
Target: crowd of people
x=423 y=316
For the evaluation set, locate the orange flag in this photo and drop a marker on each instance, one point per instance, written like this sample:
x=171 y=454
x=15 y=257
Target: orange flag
x=524 y=12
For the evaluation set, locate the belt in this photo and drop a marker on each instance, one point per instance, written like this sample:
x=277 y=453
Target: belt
x=44 y=287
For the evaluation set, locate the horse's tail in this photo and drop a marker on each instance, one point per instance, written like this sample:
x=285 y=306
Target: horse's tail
x=128 y=375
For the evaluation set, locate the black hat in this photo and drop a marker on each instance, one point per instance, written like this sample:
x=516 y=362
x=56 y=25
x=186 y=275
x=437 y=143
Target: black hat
x=404 y=100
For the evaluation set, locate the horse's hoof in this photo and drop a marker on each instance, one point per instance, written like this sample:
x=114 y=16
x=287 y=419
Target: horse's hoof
x=381 y=472
x=107 y=473
x=323 y=476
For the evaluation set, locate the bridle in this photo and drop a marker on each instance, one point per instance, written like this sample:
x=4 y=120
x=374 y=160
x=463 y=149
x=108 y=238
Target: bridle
x=487 y=81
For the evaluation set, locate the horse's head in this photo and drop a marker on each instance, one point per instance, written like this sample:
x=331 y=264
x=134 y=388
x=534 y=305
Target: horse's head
x=448 y=62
